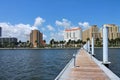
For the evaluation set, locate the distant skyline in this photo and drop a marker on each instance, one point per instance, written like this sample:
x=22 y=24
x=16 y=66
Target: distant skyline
x=51 y=17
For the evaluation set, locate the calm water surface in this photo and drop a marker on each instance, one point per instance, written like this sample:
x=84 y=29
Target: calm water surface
x=44 y=64
x=114 y=58
x=33 y=64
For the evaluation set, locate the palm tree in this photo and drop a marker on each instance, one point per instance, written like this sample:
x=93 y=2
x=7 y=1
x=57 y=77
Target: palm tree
x=28 y=43
x=83 y=42
x=36 y=41
x=69 y=42
x=61 y=43
x=97 y=42
x=52 y=42
x=88 y=39
x=117 y=41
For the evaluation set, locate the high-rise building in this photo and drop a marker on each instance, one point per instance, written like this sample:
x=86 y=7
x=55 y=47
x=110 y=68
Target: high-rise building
x=92 y=31
x=113 y=31
x=8 y=40
x=36 y=38
x=73 y=34
x=0 y=31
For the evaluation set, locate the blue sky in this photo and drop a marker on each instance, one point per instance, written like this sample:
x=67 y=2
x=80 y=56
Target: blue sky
x=53 y=16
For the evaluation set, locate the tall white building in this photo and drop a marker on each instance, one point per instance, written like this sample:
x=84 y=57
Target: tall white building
x=73 y=34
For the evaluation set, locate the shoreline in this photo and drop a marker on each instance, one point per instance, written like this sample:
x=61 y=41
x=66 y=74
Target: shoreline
x=48 y=48
x=34 y=48
x=108 y=47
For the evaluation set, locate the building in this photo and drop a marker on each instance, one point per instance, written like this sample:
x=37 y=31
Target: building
x=8 y=41
x=36 y=38
x=0 y=31
x=73 y=34
x=113 y=31
x=92 y=31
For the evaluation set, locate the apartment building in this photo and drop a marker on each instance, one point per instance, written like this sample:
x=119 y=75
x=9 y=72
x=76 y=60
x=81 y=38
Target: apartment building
x=92 y=31
x=73 y=34
x=36 y=38
x=113 y=31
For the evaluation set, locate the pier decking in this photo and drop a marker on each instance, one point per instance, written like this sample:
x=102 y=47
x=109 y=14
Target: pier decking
x=85 y=69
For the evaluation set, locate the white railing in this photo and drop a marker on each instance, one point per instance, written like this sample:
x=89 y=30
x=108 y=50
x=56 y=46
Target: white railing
x=69 y=65
x=67 y=68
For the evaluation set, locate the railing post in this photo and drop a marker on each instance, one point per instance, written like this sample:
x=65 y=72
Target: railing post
x=74 y=57
x=88 y=46
x=93 y=46
x=105 y=45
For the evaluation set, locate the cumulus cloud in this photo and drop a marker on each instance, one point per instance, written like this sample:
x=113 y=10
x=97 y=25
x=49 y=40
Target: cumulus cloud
x=57 y=36
x=38 y=21
x=84 y=25
x=64 y=23
x=44 y=36
x=21 y=31
x=50 y=28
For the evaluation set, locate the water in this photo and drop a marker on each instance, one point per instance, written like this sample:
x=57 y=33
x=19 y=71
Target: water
x=44 y=64
x=114 y=58
x=33 y=64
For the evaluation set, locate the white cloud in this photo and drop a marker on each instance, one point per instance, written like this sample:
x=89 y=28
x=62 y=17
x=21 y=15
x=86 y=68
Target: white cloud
x=44 y=36
x=21 y=31
x=38 y=21
x=57 y=36
x=85 y=25
x=33 y=27
x=64 y=23
x=50 y=28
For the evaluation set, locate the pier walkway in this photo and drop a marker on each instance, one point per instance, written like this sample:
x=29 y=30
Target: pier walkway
x=85 y=69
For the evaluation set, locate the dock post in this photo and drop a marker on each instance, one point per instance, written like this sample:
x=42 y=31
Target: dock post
x=74 y=57
x=93 y=46
x=105 y=45
x=85 y=46
x=88 y=46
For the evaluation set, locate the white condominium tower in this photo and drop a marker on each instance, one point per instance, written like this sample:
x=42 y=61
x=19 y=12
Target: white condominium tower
x=73 y=34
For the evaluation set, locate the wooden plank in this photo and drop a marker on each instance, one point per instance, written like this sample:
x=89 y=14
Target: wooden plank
x=86 y=69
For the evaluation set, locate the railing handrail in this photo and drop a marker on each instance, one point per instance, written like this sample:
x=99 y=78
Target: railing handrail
x=66 y=67
x=61 y=73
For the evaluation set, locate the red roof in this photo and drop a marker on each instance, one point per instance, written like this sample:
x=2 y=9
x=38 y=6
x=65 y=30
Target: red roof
x=73 y=29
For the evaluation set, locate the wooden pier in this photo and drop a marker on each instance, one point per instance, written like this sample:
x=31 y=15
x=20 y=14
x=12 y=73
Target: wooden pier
x=85 y=69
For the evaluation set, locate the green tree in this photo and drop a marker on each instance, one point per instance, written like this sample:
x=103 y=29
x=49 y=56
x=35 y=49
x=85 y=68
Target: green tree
x=36 y=41
x=97 y=41
x=88 y=39
x=52 y=42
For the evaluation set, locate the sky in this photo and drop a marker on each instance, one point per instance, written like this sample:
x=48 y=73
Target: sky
x=51 y=17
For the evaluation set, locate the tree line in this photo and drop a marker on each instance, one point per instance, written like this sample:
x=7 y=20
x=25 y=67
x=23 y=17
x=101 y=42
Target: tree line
x=63 y=44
